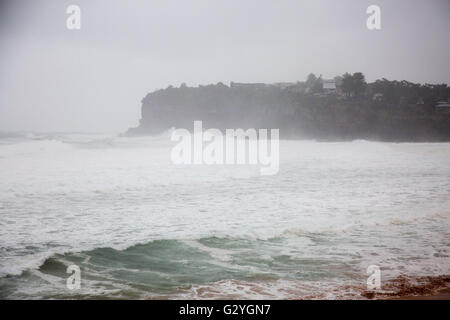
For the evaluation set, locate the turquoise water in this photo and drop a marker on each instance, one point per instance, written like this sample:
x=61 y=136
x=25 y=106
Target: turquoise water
x=169 y=268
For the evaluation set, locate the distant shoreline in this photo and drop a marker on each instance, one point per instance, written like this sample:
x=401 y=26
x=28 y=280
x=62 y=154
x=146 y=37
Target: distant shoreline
x=129 y=134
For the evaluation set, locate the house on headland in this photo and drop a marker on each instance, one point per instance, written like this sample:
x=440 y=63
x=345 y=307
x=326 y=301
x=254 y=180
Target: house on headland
x=443 y=106
x=279 y=85
x=329 y=85
x=247 y=85
x=378 y=97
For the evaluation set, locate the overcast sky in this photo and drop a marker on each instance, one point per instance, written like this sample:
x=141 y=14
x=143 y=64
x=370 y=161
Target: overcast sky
x=93 y=79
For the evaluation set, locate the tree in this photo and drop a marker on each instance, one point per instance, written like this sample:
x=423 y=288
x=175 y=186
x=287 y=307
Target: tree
x=317 y=87
x=311 y=80
x=354 y=85
x=359 y=84
x=347 y=84
x=338 y=81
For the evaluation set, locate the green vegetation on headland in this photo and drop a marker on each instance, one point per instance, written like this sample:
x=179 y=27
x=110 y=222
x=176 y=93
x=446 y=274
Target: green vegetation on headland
x=343 y=108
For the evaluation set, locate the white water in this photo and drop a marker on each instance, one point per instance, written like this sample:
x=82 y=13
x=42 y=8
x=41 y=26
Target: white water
x=377 y=203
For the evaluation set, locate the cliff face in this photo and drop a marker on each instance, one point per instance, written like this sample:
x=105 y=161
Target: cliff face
x=296 y=112
x=218 y=106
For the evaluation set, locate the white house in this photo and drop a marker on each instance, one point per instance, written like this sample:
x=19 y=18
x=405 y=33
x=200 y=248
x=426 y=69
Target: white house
x=443 y=106
x=283 y=85
x=329 y=85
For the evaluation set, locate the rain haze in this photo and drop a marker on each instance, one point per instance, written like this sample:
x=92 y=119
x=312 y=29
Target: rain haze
x=243 y=150
x=93 y=79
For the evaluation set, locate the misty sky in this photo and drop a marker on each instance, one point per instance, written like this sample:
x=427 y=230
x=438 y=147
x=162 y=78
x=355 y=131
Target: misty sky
x=93 y=79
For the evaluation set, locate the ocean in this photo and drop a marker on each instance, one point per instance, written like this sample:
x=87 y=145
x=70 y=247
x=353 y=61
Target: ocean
x=140 y=227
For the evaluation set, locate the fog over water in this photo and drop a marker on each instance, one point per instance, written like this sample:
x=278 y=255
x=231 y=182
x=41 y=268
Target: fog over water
x=93 y=79
x=349 y=189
